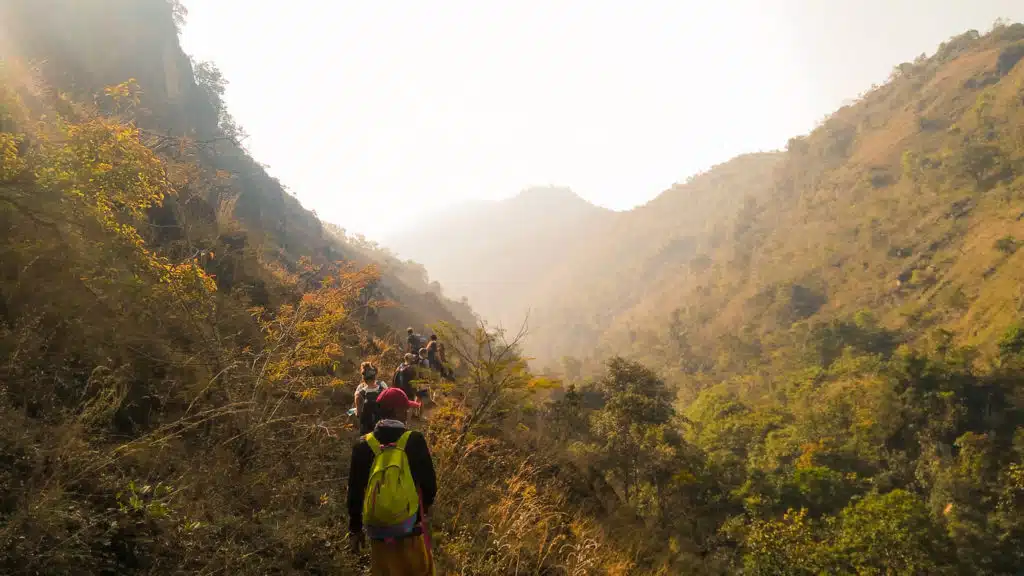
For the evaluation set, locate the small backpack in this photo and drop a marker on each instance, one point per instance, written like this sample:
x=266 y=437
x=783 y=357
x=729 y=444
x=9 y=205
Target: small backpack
x=407 y=374
x=369 y=414
x=391 y=500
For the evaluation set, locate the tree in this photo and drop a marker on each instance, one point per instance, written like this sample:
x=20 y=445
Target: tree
x=178 y=13
x=311 y=341
x=784 y=547
x=892 y=534
x=566 y=416
x=1011 y=344
x=632 y=426
x=492 y=373
x=1009 y=57
x=213 y=84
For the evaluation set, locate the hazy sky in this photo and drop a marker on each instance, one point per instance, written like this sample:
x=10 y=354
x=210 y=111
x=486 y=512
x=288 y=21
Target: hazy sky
x=376 y=112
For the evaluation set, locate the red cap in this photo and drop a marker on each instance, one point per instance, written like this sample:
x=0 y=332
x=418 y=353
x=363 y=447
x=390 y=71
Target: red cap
x=395 y=399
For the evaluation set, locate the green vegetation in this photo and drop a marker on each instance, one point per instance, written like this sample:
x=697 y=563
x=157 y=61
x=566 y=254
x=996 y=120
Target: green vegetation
x=801 y=362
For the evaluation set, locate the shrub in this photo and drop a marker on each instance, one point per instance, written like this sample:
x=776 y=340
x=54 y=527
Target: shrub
x=1009 y=57
x=1007 y=245
x=1012 y=342
x=880 y=178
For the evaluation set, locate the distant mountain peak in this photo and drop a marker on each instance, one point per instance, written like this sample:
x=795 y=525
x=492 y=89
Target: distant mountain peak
x=548 y=191
x=559 y=197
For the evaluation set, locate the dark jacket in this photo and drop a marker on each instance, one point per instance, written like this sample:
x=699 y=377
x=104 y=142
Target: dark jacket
x=420 y=465
x=403 y=378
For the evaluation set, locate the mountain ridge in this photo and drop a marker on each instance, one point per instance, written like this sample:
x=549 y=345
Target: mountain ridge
x=551 y=218
x=722 y=224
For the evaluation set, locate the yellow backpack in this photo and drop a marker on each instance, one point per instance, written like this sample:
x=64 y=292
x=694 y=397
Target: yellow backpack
x=391 y=500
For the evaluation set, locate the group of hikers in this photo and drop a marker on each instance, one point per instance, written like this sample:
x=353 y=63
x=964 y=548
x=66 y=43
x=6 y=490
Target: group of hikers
x=429 y=354
x=421 y=358
x=391 y=482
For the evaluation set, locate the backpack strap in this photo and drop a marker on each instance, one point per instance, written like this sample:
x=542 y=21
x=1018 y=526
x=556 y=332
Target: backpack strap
x=403 y=440
x=373 y=443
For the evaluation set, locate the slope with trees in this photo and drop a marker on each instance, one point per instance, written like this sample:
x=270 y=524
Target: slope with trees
x=82 y=48
x=841 y=341
x=906 y=202
x=174 y=327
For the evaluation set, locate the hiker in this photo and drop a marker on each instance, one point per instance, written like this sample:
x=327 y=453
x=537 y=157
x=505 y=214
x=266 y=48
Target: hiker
x=432 y=353
x=366 y=409
x=422 y=373
x=435 y=356
x=405 y=374
x=415 y=340
x=442 y=359
x=391 y=487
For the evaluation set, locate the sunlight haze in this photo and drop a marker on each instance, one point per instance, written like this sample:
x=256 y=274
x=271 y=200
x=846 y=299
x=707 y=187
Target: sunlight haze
x=412 y=107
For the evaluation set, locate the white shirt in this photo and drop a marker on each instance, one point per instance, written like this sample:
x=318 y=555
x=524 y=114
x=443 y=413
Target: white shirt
x=364 y=387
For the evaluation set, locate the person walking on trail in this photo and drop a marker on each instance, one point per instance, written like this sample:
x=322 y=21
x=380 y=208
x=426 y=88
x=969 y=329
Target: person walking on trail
x=432 y=353
x=423 y=375
x=391 y=487
x=366 y=409
x=414 y=340
x=435 y=356
x=405 y=374
x=408 y=377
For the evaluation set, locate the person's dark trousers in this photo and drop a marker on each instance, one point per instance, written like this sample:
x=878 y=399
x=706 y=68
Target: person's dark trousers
x=441 y=369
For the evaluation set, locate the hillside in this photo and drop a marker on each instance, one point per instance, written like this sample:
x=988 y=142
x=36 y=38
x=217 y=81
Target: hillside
x=637 y=254
x=494 y=253
x=180 y=337
x=824 y=346
x=77 y=48
x=906 y=203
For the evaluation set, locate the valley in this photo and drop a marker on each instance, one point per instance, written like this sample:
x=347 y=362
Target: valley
x=803 y=361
